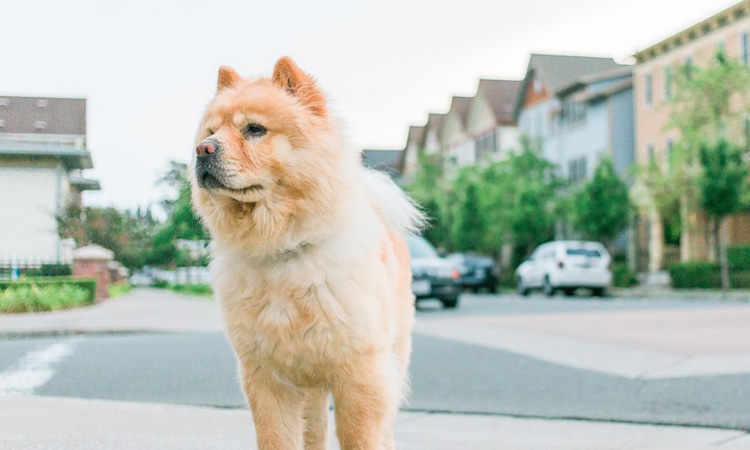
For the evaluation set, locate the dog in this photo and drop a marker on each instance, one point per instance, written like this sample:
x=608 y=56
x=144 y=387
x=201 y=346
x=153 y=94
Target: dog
x=309 y=265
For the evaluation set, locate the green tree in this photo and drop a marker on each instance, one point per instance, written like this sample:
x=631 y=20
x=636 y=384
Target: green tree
x=469 y=230
x=602 y=207
x=722 y=185
x=428 y=191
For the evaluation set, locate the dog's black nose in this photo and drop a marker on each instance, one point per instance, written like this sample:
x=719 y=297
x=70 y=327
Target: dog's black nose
x=207 y=148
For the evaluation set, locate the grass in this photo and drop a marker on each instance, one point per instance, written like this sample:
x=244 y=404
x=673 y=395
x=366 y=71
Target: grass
x=118 y=289
x=33 y=298
x=201 y=290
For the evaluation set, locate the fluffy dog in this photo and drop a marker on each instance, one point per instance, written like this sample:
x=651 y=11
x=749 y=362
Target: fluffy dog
x=310 y=265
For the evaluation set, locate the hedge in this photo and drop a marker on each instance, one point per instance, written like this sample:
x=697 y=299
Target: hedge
x=739 y=257
x=87 y=284
x=32 y=298
x=622 y=276
x=705 y=275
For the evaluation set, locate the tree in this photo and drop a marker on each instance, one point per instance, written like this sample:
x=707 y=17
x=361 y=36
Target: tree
x=722 y=185
x=427 y=190
x=709 y=105
x=469 y=229
x=602 y=207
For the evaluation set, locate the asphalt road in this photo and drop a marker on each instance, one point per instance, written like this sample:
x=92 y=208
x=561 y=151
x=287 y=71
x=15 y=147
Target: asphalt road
x=199 y=369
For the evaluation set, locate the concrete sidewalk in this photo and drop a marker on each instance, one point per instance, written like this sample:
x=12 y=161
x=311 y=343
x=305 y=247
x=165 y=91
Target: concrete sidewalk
x=64 y=423
x=28 y=423
x=156 y=310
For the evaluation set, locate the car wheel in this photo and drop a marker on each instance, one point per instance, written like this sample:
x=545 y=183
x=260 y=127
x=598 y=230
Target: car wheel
x=521 y=288
x=450 y=302
x=492 y=289
x=548 y=289
x=599 y=292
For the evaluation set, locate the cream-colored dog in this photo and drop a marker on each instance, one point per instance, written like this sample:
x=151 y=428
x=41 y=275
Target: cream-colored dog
x=310 y=265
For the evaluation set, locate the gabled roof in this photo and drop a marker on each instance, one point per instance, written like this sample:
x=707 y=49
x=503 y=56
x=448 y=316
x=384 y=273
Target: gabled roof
x=435 y=122
x=560 y=71
x=460 y=107
x=416 y=136
x=501 y=96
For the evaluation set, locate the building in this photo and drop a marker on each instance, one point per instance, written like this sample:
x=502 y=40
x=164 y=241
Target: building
x=491 y=121
x=410 y=155
x=728 y=30
x=387 y=161
x=42 y=158
x=578 y=110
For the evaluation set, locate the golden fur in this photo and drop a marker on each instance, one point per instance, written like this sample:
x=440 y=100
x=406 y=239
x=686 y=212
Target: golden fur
x=310 y=265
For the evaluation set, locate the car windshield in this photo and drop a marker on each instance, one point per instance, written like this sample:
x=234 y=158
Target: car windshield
x=583 y=252
x=420 y=248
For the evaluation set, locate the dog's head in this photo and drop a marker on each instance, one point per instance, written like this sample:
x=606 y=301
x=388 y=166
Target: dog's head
x=267 y=153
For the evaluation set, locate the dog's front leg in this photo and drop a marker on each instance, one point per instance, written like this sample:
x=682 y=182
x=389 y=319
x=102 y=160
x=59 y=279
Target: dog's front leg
x=365 y=402
x=277 y=411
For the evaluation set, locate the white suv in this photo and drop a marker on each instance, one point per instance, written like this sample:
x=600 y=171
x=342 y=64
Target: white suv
x=566 y=266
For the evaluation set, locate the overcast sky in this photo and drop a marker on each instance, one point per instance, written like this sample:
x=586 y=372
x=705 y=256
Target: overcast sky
x=148 y=68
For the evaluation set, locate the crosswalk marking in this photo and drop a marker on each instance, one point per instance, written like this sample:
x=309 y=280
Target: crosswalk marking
x=35 y=368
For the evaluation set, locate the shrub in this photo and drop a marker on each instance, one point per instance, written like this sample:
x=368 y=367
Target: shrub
x=622 y=276
x=739 y=257
x=696 y=275
x=118 y=289
x=32 y=298
x=56 y=270
x=87 y=284
x=195 y=289
x=159 y=284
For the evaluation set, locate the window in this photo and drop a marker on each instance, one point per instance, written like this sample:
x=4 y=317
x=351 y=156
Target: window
x=649 y=85
x=688 y=68
x=668 y=83
x=745 y=48
x=40 y=125
x=577 y=171
x=4 y=102
x=650 y=153
x=486 y=143
x=41 y=103
x=574 y=112
x=2 y=123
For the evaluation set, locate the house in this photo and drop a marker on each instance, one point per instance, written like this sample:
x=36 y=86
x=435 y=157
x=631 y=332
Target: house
x=410 y=154
x=578 y=109
x=42 y=158
x=457 y=142
x=728 y=30
x=491 y=121
x=387 y=161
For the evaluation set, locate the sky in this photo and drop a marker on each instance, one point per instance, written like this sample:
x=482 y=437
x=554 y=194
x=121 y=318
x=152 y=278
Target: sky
x=148 y=68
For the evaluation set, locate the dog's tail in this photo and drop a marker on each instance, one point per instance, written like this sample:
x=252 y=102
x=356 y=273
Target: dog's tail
x=399 y=211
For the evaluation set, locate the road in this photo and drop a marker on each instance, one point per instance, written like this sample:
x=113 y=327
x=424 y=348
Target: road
x=464 y=370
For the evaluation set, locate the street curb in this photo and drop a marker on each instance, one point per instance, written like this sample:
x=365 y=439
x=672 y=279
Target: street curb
x=79 y=332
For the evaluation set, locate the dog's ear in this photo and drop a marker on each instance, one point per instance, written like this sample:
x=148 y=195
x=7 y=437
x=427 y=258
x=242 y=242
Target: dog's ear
x=227 y=78
x=288 y=76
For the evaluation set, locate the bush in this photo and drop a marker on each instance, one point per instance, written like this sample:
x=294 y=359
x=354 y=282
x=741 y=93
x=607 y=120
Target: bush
x=159 y=284
x=118 y=289
x=739 y=257
x=87 y=284
x=622 y=276
x=696 y=275
x=32 y=298
x=56 y=270
x=194 y=289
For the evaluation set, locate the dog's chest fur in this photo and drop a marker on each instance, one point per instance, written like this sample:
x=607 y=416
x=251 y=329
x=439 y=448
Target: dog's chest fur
x=303 y=314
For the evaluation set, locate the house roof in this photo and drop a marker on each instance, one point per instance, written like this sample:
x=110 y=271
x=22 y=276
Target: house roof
x=388 y=161
x=460 y=107
x=435 y=122
x=560 y=72
x=416 y=135
x=85 y=184
x=42 y=115
x=721 y=19
x=72 y=157
x=590 y=95
x=501 y=96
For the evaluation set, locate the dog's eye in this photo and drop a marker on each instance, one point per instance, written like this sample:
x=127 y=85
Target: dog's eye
x=255 y=130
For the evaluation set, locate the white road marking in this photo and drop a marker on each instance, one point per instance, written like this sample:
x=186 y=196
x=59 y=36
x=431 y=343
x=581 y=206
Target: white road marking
x=592 y=356
x=34 y=369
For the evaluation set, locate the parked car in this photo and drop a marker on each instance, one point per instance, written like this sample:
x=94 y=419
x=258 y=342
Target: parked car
x=477 y=272
x=432 y=276
x=566 y=266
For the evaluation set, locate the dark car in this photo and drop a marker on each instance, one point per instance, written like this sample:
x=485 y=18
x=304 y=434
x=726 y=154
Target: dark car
x=477 y=272
x=433 y=276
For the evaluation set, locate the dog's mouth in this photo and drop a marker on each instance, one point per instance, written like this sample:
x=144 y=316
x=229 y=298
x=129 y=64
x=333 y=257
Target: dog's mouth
x=210 y=182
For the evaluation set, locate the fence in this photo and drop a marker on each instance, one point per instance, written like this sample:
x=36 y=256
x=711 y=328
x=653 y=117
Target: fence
x=14 y=268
